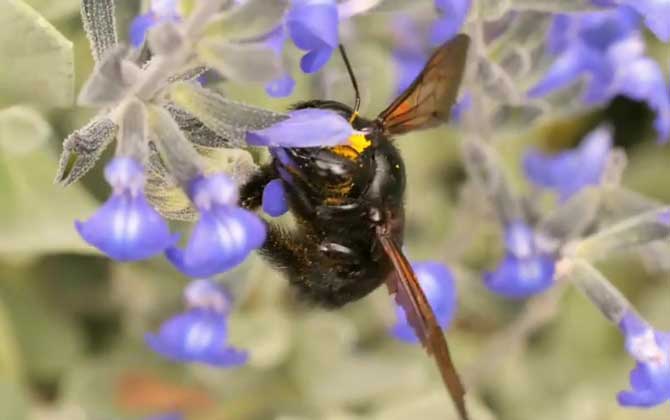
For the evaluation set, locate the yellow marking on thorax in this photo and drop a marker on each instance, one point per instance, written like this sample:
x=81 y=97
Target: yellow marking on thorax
x=357 y=143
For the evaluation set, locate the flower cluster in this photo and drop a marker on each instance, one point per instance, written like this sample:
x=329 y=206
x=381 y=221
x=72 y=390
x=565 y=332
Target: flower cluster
x=606 y=46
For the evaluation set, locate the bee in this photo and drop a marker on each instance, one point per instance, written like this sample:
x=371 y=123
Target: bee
x=348 y=202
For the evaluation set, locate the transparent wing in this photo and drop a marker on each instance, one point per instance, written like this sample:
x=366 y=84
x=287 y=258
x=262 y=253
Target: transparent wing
x=428 y=101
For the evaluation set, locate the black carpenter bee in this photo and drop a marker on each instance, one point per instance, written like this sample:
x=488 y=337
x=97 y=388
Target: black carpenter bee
x=348 y=204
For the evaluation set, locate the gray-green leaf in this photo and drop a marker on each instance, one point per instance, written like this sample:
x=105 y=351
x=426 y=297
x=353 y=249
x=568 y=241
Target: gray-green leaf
x=230 y=120
x=83 y=148
x=100 y=26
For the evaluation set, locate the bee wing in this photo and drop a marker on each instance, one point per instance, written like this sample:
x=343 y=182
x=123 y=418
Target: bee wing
x=428 y=101
x=404 y=284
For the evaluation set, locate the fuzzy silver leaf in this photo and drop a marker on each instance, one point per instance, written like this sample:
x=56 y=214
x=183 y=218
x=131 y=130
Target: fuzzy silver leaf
x=110 y=81
x=230 y=120
x=198 y=133
x=165 y=38
x=100 y=26
x=133 y=135
x=178 y=154
x=83 y=148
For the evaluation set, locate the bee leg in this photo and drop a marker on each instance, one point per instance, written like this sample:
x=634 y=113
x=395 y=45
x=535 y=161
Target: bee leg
x=251 y=193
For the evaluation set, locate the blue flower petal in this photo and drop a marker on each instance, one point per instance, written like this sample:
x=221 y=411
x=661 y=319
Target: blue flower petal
x=274 y=198
x=139 y=27
x=521 y=277
x=643 y=80
x=197 y=335
x=207 y=294
x=408 y=65
x=305 y=128
x=438 y=285
x=570 y=171
x=656 y=15
x=126 y=227
x=221 y=240
x=650 y=379
x=281 y=87
x=454 y=13
x=313 y=27
x=315 y=59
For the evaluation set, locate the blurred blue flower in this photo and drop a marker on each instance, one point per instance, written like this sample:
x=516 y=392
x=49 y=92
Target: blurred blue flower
x=569 y=171
x=438 y=285
x=284 y=84
x=524 y=270
x=225 y=233
x=274 y=198
x=207 y=294
x=607 y=47
x=126 y=227
x=650 y=379
x=410 y=51
x=196 y=335
x=160 y=11
x=452 y=17
x=308 y=127
x=313 y=27
x=656 y=14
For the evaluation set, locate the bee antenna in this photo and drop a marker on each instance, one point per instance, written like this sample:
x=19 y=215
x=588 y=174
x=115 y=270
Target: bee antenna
x=357 y=101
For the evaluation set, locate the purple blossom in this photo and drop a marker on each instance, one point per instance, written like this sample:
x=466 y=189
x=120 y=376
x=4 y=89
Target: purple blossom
x=225 y=233
x=650 y=379
x=160 y=11
x=452 y=17
x=437 y=283
x=607 y=48
x=284 y=84
x=274 y=198
x=196 y=335
x=308 y=127
x=126 y=227
x=524 y=270
x=207 y=294
x=656 y=14
x=313 y=27
x=410 y=52
x=569 y=171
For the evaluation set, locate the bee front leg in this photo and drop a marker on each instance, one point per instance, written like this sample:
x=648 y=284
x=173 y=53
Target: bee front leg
x=251 y=193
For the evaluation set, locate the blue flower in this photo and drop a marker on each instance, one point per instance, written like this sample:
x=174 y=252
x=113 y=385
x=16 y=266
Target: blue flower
x=126 y=227
x=284 y=84
x=313 y=27
x=452 y=17
x=608 y=48
x=225 y=233
x=438 y=285
x=197 y=335
x=525 y=270
x=410 y=51
x=569 y=171
x=161 y=11
x=650 y=379
x=207 y=294
x=308 y=127
x=274 y=198
x=656 y=15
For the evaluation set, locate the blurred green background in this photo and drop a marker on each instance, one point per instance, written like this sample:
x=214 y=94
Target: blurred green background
x=72 y=322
